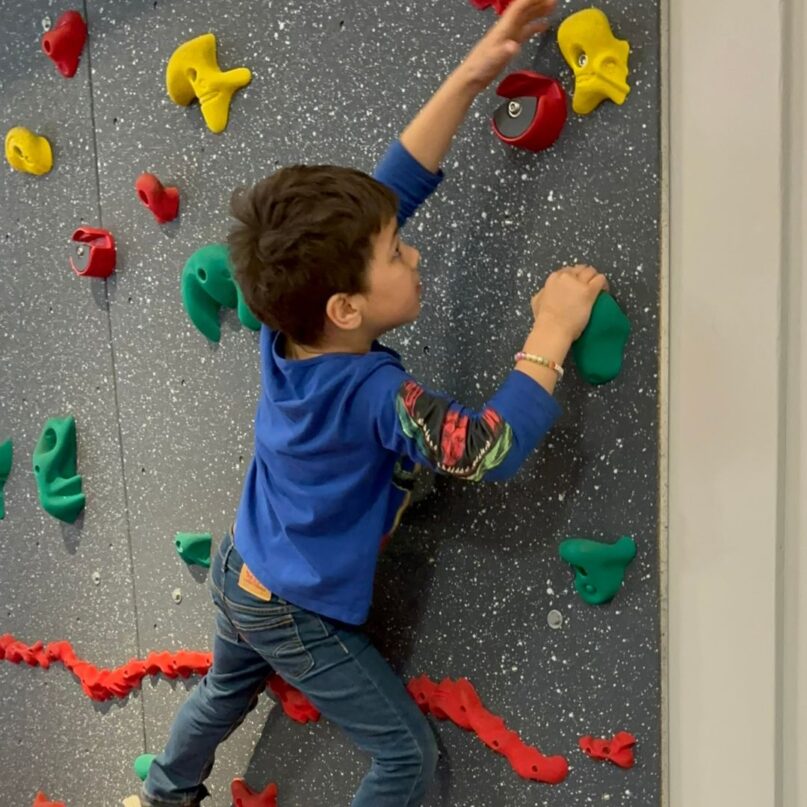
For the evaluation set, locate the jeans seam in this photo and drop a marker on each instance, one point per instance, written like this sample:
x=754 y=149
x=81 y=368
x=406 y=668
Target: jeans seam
x=335 y=634
x=408 y=730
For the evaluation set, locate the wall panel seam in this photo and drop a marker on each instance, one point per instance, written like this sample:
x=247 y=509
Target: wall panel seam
x=110 y=335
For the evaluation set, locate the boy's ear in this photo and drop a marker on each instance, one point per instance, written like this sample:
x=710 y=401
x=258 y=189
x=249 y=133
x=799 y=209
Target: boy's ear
x=343 y=311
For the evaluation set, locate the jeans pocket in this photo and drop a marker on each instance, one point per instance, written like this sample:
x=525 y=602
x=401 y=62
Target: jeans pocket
x=276 y=637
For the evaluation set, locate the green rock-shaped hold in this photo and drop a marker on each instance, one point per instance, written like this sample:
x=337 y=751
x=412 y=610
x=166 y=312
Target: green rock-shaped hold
x=55 y=470
x=207 y=284
x=194 y=547
x=599 y=350
x=142 y=765
x=599 y=568
x=6 y=461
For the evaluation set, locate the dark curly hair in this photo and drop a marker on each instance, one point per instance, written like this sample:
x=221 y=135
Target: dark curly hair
x=301 y=235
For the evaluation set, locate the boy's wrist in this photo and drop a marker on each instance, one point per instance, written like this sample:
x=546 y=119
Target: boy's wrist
x=465 y=82
x=549 y=339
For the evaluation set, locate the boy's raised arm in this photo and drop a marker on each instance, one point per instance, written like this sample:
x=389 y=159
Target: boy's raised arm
x=428 y=137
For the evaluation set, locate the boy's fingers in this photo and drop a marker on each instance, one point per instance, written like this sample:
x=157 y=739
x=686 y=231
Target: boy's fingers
x=532 y=29
x=524 y=10
x=599 y=283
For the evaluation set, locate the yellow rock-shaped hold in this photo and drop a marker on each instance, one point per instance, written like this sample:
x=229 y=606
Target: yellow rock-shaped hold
x=193 y=72
x=599 y=60
x=28 y=152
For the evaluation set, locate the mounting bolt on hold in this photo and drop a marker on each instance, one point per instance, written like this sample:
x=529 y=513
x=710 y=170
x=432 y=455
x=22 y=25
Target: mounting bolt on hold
x=554 y=619
x=176 y=595
x=514 y=109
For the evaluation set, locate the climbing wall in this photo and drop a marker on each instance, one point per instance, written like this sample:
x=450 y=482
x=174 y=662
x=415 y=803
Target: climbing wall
x=164 y=417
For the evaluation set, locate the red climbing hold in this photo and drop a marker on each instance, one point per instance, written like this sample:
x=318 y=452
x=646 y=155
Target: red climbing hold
x=41 y=800
x=459 y=702
x=498 y=5
x=422 y=689
x=161 y=201
x=535 y=113
x=294 y=703
x=101 y=260
x=244 y=796
x=619 y=749
x=455 y=700
x=65 y=41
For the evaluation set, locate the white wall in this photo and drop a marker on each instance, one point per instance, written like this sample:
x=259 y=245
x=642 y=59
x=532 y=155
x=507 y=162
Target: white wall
x=737 y=695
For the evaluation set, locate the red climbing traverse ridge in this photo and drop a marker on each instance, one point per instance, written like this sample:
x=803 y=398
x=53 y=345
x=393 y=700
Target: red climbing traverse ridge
x=459 y=702
x=102 y=683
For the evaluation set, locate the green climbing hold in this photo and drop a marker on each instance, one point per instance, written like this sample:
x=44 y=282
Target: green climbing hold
x=55 y=470
x=599 y=350
x=142 y=765
x=207 y=284
x=194 y=548
x=6 y=460
x=599 y=568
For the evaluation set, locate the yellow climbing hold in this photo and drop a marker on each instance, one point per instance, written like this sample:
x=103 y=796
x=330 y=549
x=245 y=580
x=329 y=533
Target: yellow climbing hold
x=193 y=72
x=598 y=59
x=28 y=152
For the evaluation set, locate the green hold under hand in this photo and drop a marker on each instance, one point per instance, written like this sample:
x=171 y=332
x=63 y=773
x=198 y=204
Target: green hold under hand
x=55 y=470
x=6 y=461
x=142 y=765
x=194 y=548
x=207 y=284
x=599 y=568
x=599 y=350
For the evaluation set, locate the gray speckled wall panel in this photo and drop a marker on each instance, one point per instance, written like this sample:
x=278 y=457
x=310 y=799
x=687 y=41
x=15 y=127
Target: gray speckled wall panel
x=466 y=586
x=55 y=359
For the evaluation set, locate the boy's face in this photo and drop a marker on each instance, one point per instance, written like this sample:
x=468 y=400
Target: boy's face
x=393 y=295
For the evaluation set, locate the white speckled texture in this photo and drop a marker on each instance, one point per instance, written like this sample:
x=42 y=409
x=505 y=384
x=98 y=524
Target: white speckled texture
x=466 y=586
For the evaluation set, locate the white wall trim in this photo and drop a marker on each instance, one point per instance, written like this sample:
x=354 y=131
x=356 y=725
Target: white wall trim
x=737 y=660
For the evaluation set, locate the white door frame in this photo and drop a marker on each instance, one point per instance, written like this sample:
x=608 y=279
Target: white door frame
x=736 y=664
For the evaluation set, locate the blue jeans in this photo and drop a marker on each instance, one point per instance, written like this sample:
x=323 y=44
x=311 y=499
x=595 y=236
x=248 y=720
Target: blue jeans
x=333 y=664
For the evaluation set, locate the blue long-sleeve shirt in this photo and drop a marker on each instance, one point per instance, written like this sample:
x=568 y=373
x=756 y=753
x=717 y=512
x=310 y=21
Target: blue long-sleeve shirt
x=335 y=435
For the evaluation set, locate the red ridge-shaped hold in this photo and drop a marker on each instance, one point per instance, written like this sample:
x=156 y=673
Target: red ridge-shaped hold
x=41 y=800
x=161 y=201
x=103 y=254
x=422 y=689
x=244 y=796
x=65 y=41
x=294 y=703
x=546 y=121
x=619 y=749
x=101 y=684
x=459 y=702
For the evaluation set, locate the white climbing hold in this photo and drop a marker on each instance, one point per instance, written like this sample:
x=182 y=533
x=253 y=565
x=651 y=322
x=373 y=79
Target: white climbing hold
x=176 y=595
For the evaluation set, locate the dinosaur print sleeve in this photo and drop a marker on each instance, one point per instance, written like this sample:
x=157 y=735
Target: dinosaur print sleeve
x=488 y=444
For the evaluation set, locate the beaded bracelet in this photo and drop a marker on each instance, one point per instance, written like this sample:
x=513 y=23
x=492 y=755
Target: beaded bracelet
x=548 y=363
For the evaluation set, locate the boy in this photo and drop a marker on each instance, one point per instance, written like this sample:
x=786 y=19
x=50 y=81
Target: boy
x=338 y=430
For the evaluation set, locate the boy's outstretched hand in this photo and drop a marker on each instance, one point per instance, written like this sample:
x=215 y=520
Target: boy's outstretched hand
x=429 y=135
x=521 y=20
